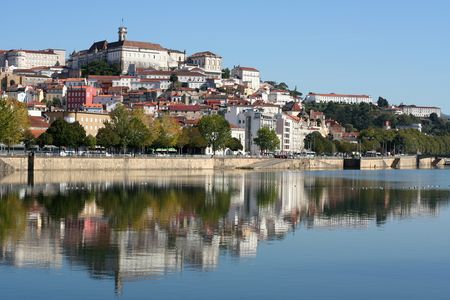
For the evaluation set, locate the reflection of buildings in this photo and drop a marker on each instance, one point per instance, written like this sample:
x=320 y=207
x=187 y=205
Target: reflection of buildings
x=191 y=221
x=143 y=254
x=339 y=222
x=40 y=245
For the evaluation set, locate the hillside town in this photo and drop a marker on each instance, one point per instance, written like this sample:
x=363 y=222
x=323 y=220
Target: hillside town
x=178 y=89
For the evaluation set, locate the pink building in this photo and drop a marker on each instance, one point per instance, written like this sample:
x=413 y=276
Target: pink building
x=79 y=96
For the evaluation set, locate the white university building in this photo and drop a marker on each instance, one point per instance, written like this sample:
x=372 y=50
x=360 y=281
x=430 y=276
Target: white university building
x=338 y=98
x=420 y=111
x=27 y=59
x=128 y=54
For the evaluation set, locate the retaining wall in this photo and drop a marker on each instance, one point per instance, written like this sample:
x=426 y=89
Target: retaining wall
x=376 y=163
x=8 y=164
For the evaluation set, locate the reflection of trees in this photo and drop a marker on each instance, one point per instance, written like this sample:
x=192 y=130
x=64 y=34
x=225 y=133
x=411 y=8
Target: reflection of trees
x=128 y=207
x=13 y=217
x=369 y=199
x=141 y=229
x=267 y=192
x=124 y=207
x=64 y=205
x=171 y=201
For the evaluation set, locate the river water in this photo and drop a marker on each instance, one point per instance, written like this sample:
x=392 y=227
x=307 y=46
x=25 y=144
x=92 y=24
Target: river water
x=226 y=235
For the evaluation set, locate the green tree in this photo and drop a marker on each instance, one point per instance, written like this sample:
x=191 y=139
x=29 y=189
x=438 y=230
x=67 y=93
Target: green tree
x=90 y=142
x=195 y=141
x=140 y=135
x=56 y=102
x=382 y=102
x=407 y=120
x=267 y=139
x=107 y=137
x=226 y=73
x=317 y=143
x=66 y=134
x=120 y=123
x=173 y=78
x=282 y=86
x=168 y=132
x=215 y=130
x=28 y=139
x=127 y=129
x=45 y=139
x=183 y=139
x=174 y=81
x=101 y=67
x=295 y=92
x=234 y=144
x=77 y=135
x=345 y=147
x=13 y=121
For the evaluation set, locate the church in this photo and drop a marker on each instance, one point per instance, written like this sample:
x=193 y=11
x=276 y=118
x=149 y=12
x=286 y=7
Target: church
x=130 y=55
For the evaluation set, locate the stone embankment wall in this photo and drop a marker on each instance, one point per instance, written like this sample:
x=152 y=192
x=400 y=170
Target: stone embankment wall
x=162 y=163
x=376 y=163
x=403 y=162
x=9 y=164
x=431 y=162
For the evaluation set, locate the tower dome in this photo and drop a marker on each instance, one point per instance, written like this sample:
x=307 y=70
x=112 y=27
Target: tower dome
x=122 y=33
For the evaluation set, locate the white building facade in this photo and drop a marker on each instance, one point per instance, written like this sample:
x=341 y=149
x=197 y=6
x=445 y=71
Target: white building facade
x=251 y=76
x=280 y=97
x=338 y=98
x=27 y=59
x=252 y=120
x=420 y=111
x=294 y=129
x=129 y=55
x=209 y=62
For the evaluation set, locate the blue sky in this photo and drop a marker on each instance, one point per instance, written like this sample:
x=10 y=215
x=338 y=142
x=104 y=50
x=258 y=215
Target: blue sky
x=396 y=49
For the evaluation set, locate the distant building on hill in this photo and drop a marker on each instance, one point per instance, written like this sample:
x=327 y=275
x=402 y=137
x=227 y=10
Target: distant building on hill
x=27 y=59
x=247 y=75
x=128 y=54
x=207 y=61
x=420 y=111
x=338 y=98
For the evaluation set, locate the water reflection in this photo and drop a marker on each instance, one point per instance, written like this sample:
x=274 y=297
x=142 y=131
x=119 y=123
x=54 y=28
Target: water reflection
x=151 y=226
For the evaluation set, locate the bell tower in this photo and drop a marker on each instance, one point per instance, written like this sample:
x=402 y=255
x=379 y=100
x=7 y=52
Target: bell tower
x=122 y=33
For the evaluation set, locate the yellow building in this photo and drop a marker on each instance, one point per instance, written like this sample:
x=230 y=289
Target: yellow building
x=91 y=122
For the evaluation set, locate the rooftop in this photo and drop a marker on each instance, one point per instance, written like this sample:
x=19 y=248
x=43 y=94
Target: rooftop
x=205 y=53
x=339 y=95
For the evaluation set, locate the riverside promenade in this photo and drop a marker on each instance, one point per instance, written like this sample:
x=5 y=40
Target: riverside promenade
x=42 y=163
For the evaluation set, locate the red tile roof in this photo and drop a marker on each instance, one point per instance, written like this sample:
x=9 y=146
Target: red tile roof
x=248 y=69
x=38 y=123
x=93 y=105
x=143 y=45
x=295 y=118
x=205 y=53
x=183 y=107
